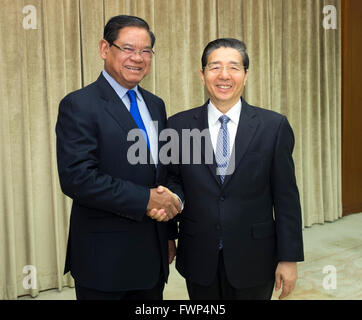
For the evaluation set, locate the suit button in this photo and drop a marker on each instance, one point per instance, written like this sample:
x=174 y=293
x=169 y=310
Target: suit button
x=222 y=198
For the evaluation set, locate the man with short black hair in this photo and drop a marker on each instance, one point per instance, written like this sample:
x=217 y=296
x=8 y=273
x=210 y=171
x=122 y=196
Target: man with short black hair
x=241 y=228
x=116 y=248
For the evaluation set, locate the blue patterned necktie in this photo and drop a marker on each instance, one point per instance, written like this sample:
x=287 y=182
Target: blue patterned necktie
x=222 y=154
x=135 y=112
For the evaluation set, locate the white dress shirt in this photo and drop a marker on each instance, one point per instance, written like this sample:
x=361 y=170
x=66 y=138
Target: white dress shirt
x=145 y=114
x=214 y=124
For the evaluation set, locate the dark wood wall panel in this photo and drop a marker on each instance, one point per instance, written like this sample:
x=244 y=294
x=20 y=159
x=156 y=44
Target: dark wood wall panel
x=351 y=106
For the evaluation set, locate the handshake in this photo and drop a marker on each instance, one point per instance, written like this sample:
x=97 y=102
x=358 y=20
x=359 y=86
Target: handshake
x=163 y=204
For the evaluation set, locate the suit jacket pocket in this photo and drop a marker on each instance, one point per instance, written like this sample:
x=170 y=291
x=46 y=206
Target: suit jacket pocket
x=263 y=230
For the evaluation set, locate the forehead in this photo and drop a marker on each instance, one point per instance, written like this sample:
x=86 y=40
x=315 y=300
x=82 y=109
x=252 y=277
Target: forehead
x=134 y=35
x=225 y=55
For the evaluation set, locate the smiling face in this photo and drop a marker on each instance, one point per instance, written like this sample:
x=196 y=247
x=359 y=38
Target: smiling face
x=127 y=69
x=225 y=83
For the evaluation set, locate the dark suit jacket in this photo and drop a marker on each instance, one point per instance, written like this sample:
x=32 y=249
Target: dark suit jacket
x=112 y=244
x=256 y=211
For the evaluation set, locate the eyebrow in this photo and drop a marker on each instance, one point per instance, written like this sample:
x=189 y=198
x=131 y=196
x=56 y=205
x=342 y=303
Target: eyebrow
x=131 y=45
x=219 y=62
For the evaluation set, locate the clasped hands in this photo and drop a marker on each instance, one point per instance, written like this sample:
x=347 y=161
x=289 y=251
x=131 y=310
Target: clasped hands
x=163 y=205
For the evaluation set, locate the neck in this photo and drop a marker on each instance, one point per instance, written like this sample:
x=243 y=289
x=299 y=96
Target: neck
x=118 y=80
x=224 y=107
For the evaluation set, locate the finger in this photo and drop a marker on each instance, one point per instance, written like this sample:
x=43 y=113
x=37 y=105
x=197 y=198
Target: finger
x=160 y=189
x=172 y=212
x=166 y=189
x=161 y=215
x=151 y=213
x=288 y=287
x=177 y=203
x=158 y=215
x=285 y=292
x=164 y=218
x=277 y=282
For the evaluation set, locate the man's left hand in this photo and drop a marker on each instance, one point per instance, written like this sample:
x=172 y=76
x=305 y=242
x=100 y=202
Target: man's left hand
x=286 y=276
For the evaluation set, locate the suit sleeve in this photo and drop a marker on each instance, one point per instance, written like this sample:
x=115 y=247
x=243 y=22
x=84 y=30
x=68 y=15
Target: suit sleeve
x=79 y=174
x=287 y=210
x=174 y=179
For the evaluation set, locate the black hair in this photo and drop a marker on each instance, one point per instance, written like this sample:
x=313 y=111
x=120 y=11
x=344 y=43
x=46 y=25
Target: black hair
x=111 y=30
x=227 y=43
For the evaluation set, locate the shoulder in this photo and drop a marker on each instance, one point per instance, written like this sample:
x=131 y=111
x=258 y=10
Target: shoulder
x=266 y=117
x=90 y=92
x=185 y=116
x=147 y=95
x=83 y=102
x=272 y=121
x=265 y=114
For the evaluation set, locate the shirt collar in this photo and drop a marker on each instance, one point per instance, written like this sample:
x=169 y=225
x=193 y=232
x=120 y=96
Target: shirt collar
x=120 y=90
x=234 y=113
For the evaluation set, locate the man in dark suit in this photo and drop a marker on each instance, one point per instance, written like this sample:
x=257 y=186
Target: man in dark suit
x=116 y=248
x=241 y=227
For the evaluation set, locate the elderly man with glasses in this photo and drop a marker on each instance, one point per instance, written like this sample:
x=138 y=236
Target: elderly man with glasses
x=116 y=248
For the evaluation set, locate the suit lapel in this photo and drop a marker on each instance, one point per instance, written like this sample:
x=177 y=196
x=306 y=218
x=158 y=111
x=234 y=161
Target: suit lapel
x=154 y=112
x=201 y=124
x=248 y=124
x=156 y=117
x=115 y=107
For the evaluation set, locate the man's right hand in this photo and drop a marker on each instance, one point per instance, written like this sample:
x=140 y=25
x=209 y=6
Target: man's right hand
x=163 y=204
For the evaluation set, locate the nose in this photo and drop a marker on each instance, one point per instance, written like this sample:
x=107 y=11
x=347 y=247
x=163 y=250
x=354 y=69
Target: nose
x=136 y=56
x=224 y=73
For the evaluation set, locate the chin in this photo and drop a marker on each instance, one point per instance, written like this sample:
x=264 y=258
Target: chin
x=134 y=80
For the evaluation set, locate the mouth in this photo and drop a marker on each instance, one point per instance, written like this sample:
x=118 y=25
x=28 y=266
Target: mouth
x=223 y=87
x=133 y=69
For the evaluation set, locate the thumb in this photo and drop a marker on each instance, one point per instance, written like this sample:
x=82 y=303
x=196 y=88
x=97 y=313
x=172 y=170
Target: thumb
x=152 y=212
x=160 y=189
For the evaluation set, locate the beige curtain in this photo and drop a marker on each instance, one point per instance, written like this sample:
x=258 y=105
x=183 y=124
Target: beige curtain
x=295 y=69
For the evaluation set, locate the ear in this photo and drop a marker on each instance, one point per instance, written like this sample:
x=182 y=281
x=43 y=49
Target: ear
x=103 y=48
x=202 y=76
x=246 y=76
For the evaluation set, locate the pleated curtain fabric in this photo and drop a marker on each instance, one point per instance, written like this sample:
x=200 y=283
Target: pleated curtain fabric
x=295 y=69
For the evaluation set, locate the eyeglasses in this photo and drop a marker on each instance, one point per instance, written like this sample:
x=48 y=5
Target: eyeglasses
x=146 y=53
x=231 y=68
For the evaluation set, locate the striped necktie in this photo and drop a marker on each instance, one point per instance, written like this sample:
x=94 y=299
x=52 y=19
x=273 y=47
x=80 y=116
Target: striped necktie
x=222 y=154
